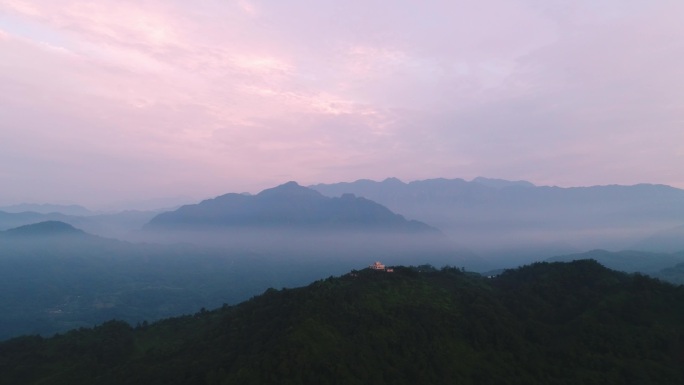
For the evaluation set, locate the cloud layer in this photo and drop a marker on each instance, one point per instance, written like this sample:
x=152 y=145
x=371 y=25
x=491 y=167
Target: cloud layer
x=120 y=100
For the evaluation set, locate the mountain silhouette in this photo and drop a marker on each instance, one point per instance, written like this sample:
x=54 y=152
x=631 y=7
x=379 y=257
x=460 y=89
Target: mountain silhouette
x=288 y=205
x=502 y=220
x=46 y=208
x=295 y=222
x=44 y=229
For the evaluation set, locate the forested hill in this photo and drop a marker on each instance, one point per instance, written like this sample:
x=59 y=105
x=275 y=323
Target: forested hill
x=548 y=323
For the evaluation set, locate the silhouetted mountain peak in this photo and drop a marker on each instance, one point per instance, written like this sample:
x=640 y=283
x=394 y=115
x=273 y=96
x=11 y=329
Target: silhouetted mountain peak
x=47 y=228
x=290 y=189
x=292 y=206
x=393 y=181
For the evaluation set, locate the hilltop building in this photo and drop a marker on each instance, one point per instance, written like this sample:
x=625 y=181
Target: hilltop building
x=377 y=266
x=381 y=267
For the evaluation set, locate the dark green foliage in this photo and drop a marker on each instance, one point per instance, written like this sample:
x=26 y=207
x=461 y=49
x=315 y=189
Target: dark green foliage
x=541 y=324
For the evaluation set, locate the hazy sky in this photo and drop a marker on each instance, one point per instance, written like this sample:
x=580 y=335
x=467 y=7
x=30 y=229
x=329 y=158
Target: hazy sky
x=105 y=101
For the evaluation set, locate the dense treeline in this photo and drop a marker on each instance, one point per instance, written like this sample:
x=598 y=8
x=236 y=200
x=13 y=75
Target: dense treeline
x=548 y=323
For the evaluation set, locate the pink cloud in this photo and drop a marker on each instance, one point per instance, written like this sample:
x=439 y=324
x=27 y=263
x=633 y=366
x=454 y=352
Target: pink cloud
x=244 y=93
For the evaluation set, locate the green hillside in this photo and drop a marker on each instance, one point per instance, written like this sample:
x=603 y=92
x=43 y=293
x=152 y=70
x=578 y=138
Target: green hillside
x=548 y=323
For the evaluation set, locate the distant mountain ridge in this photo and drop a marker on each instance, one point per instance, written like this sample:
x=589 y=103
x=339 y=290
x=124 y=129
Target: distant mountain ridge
x=289 y=205
x=501 y=183
x=498 y=191
x=502 y=218
x=294 y=220
x=46 y=208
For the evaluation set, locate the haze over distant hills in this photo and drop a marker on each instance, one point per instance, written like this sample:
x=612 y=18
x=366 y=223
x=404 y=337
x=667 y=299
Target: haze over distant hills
x=45 y=208
x=508 y=222
x=233 y=245
x=519 y=222
x=115 y=225
x=54 y=277
x=296 y=220
x=668 y=240
x=289 y=205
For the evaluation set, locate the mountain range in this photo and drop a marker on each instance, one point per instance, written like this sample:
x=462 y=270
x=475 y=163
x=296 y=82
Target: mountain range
x=507 y=222
x=512 y=222
x=62 y=277
x=294 y=220
x=288 y=206
x=45 y=208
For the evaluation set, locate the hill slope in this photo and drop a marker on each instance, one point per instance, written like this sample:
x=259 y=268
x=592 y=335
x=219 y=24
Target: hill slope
x=542 y=324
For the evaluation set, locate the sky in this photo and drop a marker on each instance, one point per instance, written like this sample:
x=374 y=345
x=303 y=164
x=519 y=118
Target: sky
x=111 y=102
